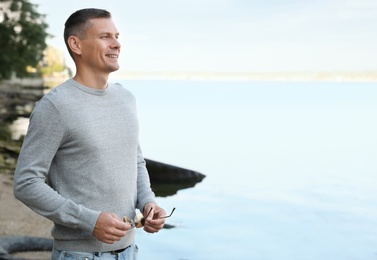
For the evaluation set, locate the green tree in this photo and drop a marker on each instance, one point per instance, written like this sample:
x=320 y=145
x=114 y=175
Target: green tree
x=22 y=37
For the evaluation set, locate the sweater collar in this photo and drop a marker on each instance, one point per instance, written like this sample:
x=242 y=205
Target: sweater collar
x=93 y=91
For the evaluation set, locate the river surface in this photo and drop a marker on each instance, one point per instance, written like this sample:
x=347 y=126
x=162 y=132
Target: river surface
x=291 y=168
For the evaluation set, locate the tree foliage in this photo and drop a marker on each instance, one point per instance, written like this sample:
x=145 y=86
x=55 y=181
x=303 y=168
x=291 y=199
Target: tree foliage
x=22 y=37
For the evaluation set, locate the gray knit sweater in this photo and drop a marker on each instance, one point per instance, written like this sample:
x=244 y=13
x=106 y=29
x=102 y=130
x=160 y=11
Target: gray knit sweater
x=81 y=156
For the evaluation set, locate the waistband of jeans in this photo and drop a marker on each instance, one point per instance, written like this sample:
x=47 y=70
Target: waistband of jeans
x=115 y=252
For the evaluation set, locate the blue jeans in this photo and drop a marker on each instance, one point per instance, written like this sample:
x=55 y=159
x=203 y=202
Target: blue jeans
x=129 y=254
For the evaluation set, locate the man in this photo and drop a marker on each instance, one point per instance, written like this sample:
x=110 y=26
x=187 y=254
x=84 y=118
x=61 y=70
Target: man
x=80 y=164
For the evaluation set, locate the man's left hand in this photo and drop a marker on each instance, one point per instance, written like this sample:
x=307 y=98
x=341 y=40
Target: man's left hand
x=154 y=221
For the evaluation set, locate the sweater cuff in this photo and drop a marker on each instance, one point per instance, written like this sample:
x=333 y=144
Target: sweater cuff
x=89 y=219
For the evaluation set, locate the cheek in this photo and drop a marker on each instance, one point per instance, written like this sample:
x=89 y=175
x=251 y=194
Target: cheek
x=92 y=50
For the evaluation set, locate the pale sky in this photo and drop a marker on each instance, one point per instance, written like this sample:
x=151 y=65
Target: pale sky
x=234 y=35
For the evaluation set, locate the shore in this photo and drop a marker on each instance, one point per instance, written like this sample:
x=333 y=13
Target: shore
x=18 y=220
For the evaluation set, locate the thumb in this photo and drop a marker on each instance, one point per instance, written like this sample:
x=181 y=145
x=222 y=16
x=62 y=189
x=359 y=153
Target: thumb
x=150 y=213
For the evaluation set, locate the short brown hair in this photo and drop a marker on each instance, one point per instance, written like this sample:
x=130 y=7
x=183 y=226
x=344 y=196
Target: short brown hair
x=78 y=22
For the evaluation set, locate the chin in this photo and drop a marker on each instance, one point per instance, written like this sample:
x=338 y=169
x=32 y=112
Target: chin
x=112 y=69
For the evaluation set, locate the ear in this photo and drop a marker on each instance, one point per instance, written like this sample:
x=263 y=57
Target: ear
x=74 y=44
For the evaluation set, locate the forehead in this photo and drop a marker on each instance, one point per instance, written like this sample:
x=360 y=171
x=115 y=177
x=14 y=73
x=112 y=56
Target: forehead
x=101 y=25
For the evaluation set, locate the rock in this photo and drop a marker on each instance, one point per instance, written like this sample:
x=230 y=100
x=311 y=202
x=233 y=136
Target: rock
x=15 y=244
x=167 y=180
x=166 y=173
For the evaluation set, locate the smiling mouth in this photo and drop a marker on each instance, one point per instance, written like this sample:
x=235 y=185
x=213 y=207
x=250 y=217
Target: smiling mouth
x=112 y=55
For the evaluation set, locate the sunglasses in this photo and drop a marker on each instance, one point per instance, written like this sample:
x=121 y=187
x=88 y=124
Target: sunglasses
x=139 y=220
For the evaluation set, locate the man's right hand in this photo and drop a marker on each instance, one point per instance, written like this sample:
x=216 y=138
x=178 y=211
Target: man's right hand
x=110 y=228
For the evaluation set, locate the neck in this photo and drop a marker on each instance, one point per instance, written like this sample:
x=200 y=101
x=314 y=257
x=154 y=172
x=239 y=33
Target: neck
x=92 y=80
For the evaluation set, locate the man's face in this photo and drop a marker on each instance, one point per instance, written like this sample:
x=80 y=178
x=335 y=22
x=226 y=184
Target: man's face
x=100 y=48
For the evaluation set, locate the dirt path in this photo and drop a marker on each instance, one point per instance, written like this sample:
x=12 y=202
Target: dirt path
x=18 y=220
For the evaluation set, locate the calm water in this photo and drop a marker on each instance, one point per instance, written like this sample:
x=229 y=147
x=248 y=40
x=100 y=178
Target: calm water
x=291 y=168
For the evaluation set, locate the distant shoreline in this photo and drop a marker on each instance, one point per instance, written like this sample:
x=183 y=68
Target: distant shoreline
x=366 y=76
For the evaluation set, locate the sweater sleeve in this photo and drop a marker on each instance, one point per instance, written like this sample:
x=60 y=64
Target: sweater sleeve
x=144 y=191
x=44 y=137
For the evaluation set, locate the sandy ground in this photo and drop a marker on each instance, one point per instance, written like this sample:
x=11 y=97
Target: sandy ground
x=18 y=220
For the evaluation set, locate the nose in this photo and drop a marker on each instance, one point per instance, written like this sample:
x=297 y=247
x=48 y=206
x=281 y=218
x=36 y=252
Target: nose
x=116 y=44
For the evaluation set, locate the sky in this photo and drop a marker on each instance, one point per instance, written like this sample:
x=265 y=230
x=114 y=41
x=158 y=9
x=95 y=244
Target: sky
x=233 y=35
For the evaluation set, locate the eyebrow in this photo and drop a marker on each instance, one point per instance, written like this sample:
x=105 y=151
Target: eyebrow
x=109 y=33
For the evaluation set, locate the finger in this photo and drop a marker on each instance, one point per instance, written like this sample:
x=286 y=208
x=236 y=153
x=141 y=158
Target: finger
x=120 y=224
x=149 y=213
x=153 y=226
x=109 y=240
x=151 y=229
x=124 y=226
x=158 y=212
x=150 y=217
x=117 y=234
x=156 y=222
x=113 y=238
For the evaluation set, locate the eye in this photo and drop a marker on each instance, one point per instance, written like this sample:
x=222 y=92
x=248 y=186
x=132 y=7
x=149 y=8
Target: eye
x=104 y=37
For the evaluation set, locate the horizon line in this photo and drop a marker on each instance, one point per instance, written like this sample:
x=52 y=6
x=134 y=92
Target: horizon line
x=338 y=76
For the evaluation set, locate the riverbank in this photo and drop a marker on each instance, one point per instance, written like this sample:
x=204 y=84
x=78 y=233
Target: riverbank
x=18 y=220
x=18 y=98
x=9 y=151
